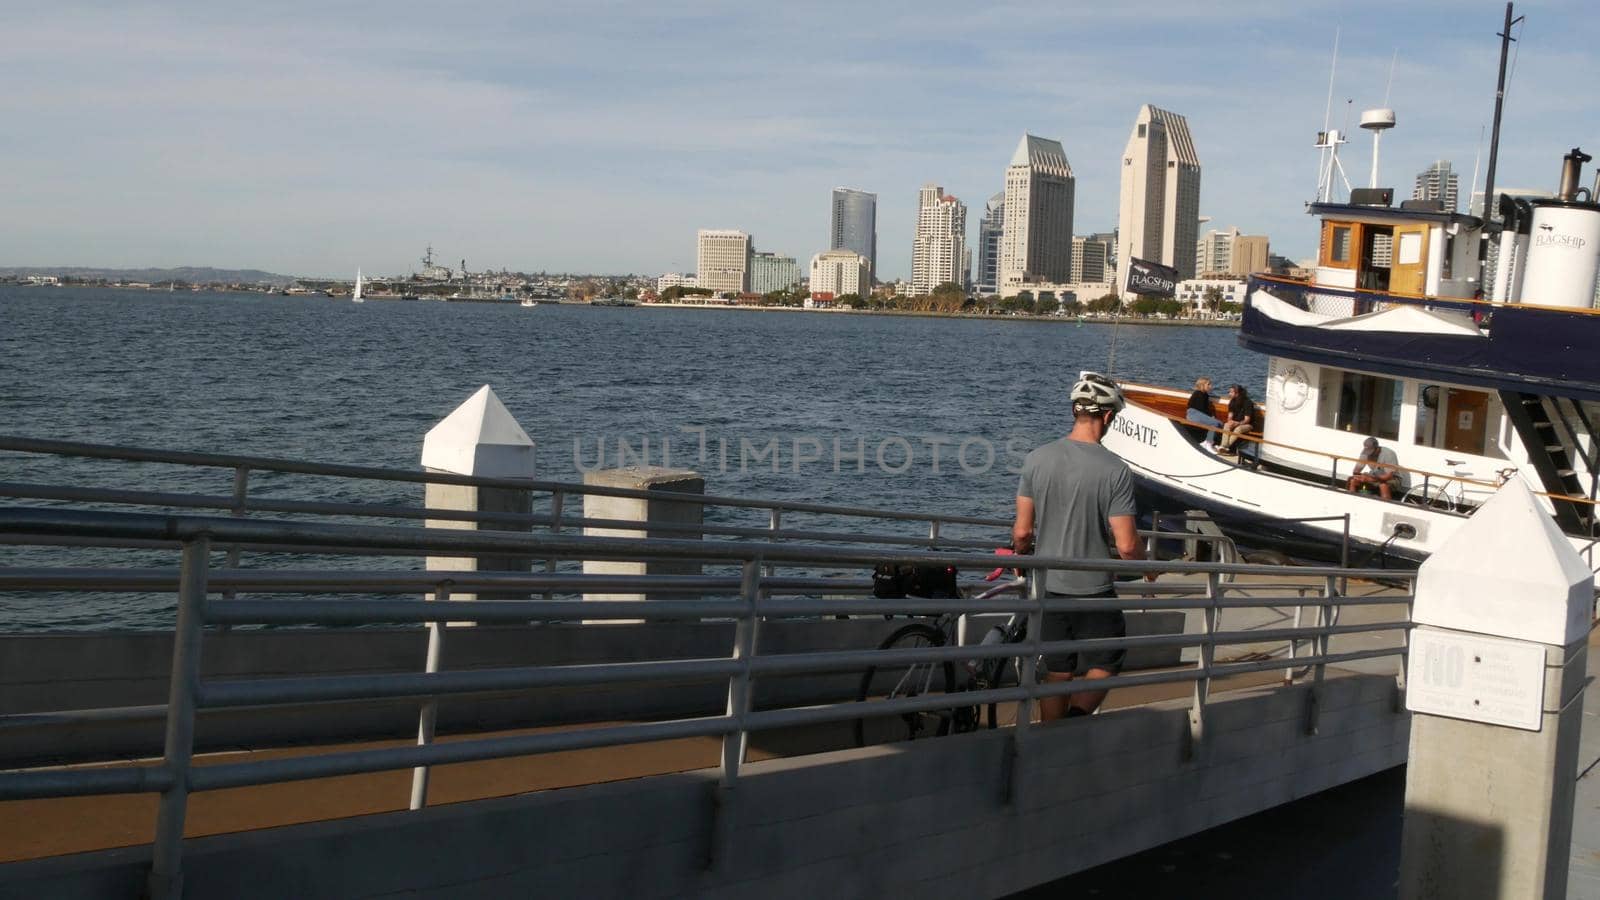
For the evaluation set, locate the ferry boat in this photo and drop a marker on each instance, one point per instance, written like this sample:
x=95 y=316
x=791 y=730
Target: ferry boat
x=1392 y=338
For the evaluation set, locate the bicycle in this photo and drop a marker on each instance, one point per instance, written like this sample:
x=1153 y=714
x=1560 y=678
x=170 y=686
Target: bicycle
x=918 y=679
x=1450 y=494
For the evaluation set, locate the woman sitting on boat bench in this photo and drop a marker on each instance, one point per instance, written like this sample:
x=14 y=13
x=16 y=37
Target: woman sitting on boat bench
x=1382 y=469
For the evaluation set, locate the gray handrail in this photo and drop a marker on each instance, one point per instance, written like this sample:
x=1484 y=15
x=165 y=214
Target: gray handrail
x=301 y=467
x=204 y=594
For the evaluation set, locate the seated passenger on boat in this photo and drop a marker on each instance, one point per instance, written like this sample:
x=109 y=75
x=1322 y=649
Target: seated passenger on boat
x=1200 y=412
x=1382 y=469
x=1241 y=417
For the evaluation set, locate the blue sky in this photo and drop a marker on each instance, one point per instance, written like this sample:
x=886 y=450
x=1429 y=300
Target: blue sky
x=315 y=138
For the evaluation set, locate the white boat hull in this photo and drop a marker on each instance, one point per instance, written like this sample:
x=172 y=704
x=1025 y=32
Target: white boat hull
x=1175 y=474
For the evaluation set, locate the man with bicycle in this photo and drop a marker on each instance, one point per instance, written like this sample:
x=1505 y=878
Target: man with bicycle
x=1075 y=500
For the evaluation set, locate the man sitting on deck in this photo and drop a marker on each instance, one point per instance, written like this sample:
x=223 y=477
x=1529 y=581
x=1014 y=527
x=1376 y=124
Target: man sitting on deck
x=1382 y=469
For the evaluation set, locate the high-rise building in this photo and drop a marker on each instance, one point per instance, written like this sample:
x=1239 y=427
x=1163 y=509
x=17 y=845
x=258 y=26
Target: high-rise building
x=1437 y=182
x=990 y=227
x=835 y=273
x=938 y=253
x=724 y=261
x=1091 y=258
x=1036 y=243
x=855 y=223
x=1227 y=252
x=770 y=272
x=1159 y=213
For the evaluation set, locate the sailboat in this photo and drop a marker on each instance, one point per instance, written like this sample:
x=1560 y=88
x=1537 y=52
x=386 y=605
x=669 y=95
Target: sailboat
x=355 y=297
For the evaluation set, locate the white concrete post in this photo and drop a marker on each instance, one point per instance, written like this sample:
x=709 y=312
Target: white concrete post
x=647 y=511
x=1495 y=684
x=480 y=438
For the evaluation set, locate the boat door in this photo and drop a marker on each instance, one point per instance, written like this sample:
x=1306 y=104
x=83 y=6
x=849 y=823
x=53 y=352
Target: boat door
x=1408 y=269
x=1466 y=420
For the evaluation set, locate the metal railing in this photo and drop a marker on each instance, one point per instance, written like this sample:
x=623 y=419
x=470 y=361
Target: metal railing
x=741 y=586
x=931 y=528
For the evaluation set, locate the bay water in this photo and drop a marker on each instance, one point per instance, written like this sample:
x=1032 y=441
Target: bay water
x=898 y=412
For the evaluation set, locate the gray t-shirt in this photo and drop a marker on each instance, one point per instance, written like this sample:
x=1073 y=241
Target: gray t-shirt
x=1075 y=488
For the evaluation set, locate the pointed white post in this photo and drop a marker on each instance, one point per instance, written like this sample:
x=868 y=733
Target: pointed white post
x=482 y=438
x=1495 y=684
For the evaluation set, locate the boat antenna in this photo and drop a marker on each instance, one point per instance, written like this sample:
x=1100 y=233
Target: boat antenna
x=1494 y=139
x=1390 y=85
x=1327 y=142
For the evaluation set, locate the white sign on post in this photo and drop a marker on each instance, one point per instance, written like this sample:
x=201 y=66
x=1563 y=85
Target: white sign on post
x=1481 y=679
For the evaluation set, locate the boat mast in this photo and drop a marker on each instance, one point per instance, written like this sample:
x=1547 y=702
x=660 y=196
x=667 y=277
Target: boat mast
x=1494 y=138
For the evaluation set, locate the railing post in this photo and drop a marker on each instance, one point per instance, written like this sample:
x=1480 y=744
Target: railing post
x=1326 y=617
x=428 y=718
x=736 y=742
x=1028 y=679
x=557 y=501
x=775 y=521
x=241 y=496
x=166 y=866
x=1208 y=653
x=933 y=531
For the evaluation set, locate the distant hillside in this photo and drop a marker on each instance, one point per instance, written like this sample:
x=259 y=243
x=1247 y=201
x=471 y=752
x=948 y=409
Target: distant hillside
x=190 y=274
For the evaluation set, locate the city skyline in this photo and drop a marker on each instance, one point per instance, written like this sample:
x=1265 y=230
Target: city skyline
x=314 y=140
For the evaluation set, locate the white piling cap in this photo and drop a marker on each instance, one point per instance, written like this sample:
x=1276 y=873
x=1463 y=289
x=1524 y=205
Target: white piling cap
x=1509 y=572
x=480 y=438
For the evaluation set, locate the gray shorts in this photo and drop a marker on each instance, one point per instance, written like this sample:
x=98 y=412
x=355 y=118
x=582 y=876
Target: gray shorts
x=1090 y=623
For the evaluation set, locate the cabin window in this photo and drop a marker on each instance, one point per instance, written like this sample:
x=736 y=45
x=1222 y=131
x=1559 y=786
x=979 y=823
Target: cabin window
x=1363 y=404
x=1338 y=241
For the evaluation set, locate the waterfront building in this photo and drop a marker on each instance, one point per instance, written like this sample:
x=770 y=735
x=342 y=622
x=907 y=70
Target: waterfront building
x=673 y=279
x=1091 y=258
x=1437 y=182
x=1159 y=209
x=1061 y=292
x=724 y=261
x=1036 y=239
x=938 y=253
x=770 y=272
x=1227 y=252
x=854 y=224
x=835 y=273
x=1194 y=293
x=990 y=227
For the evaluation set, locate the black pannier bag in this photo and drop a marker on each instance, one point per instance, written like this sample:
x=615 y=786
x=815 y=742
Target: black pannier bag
x=894 y=580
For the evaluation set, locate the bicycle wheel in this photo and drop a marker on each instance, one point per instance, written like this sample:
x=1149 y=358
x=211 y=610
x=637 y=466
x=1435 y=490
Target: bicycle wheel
x=900 y=682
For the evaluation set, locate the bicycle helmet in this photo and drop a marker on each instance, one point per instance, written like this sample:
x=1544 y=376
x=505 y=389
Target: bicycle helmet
x=1095 y=393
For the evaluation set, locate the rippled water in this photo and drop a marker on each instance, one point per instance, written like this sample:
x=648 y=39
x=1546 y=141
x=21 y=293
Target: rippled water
x=339 y=382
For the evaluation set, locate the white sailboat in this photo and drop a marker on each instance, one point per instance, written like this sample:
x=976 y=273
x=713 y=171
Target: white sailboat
x=355 y=297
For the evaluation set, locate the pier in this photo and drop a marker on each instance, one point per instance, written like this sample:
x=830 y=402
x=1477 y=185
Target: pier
x=707 y=748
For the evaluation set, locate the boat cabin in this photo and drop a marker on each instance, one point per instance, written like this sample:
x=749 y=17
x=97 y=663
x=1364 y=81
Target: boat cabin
x=1417 y=249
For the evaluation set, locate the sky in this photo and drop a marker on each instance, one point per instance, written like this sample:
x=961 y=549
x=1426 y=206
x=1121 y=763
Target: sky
x=315 y=138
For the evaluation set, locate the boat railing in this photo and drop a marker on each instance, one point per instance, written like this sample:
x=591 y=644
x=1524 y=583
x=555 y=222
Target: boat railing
x=742 y=582
x=1338 y=302
x=1424 y=478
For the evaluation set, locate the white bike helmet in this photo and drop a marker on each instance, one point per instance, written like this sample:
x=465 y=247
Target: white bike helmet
x=1095 y=393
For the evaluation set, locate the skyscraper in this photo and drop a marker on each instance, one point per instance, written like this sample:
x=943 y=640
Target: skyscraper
x=1228 y=252
x=1437 y=182
x=1090 y=264
x=1159 y=214
x=835 y=273
x=1036 y=243
x=989 y=230
x=855 y=223
x=770 y=272
x=938 y=252
x=724 y=261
